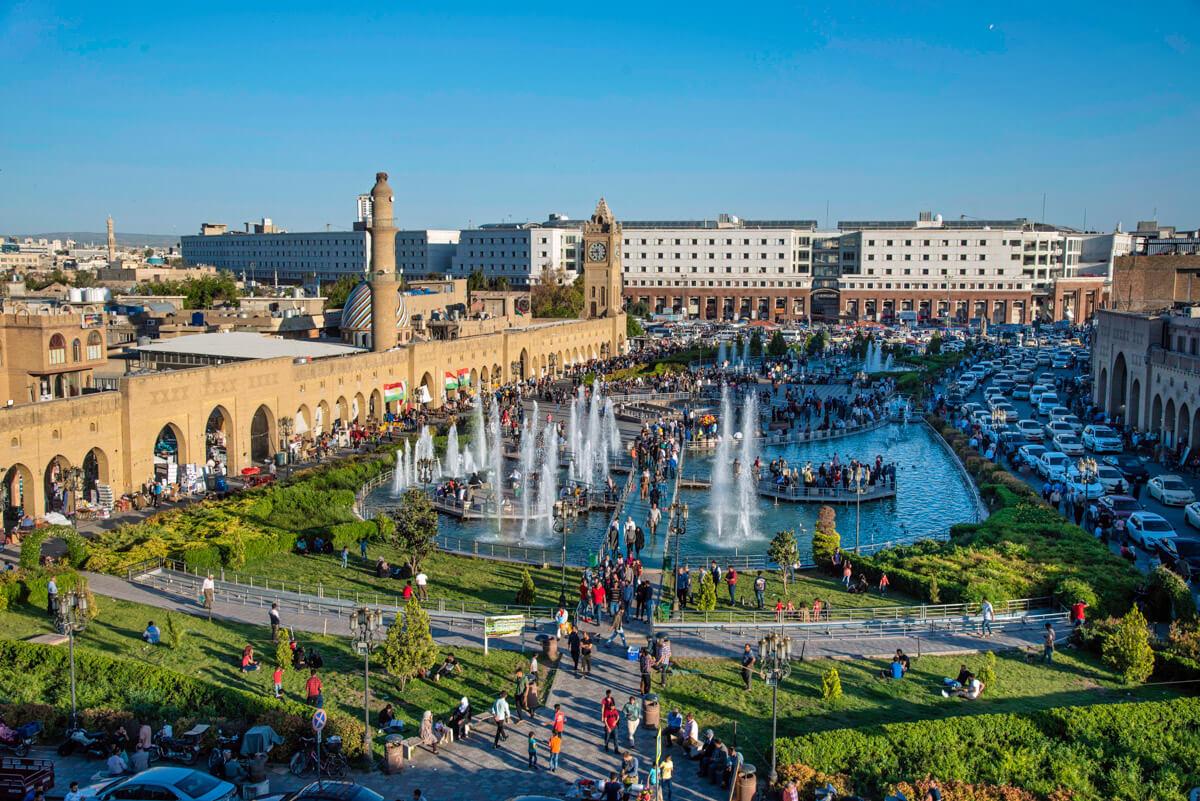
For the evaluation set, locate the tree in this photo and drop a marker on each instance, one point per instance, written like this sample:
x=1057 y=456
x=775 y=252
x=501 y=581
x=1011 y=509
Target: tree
x=640 y=309
x=337 y=292
x=831 y=685
x=283 y=654
x=988 y=673
x=416 y=527
x=777 y=346
x=409 y=649
x=815 y=343
x=633 y=328
x=476 y=281
x=826 y=539
x=756 y=344
x=200 y=292
x=706 y=598
x=1128 y=648
x=784 y=552
x=556 y=295
x=527 y=594
x=935 y=345
x=148 y=252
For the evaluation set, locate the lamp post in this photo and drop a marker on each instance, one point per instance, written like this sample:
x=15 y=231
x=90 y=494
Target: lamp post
x=857 y=481
x=679 y=518
x=564 y=513
x=365 y=625
x=286 y=425
x=1089 y=471
x=71 y=617
x=775 y=655
x=425 y=469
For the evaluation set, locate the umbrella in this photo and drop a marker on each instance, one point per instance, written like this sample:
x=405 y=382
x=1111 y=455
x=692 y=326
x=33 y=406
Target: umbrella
x=260 y=740
x=250 y=471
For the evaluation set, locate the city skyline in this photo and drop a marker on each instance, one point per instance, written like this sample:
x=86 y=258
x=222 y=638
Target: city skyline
x=224 y=114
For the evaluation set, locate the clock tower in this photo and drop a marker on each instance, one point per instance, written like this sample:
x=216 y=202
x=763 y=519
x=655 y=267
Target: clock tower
x=601 y=264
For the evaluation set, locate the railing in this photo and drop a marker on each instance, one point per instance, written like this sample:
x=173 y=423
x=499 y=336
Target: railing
x=759 y=561
x=874 y=615
x=785 y=438
x=1175 y=360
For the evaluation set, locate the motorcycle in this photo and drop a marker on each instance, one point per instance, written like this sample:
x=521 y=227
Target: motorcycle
x=183 y=750
x=23 y=740
x=94 y=744
x=225 y=742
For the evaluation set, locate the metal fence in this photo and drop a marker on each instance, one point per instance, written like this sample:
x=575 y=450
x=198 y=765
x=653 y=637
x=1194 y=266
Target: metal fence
x=881 y=615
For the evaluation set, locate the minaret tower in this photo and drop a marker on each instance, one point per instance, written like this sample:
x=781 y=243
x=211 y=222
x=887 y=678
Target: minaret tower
x=112 y=242
x=384 y=288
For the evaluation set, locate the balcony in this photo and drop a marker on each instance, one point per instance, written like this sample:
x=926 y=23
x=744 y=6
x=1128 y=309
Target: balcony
x=1175 y=360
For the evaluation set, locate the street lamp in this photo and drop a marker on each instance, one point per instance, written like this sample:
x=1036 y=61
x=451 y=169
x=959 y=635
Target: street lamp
x=679 y=521
x=425 y=468
x=564 y=513
x=857 y=480
x=365 y=625
x=72 y=616
x=775 y=655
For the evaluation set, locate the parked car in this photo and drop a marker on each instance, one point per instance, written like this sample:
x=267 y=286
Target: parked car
x=1068 y=443
x=1131 y=466
x=1187 y=557
x=1170 y=490
x=1119 y=506
x=163 y=784
x=328 y=791
x=1191 y=514
x=1146 y=528
x=1032 y=430
x=1052 y=465
x=1030 y=454
x=1102 y=439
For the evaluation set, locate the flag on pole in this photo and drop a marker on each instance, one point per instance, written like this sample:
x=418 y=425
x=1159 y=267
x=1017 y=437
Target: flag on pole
x=451 y=381
x=395 y=392
x=464 y=378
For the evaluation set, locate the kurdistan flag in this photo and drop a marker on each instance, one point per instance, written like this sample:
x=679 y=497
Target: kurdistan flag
x=451 y=380
x=395 y=392
x=464 y=378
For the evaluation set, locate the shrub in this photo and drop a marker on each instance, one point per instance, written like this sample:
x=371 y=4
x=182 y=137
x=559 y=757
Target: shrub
x=527 y=592
x=77 y=546
x=1073 y=590
x=1170 y=597
x=409 y=649
x=1128 y=649
x=831 y=685
x=283 y=654
x=987 y=674
x=706 y=596
x=825 y=539
x=31 y=548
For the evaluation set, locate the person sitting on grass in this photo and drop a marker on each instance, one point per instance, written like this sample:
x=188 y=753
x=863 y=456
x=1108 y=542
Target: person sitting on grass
x=151 y=635
x=972 y=688
x=893 y=671
x=388 y=721
x=248 y=663
x=448 y=668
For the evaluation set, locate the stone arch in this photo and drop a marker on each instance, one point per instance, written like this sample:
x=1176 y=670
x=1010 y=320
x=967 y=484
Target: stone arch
x=341 y=410
x=169 y=446
x=219 y=437
x=375 y=407
x=358 y=409
x=303 y=422
x=430 y=388
x=484 y=377
x=95 y=469
x=561 y=365
x=1183 y=427
x=1168 y=423
x=1134 y=418
x=1102 y=385
x=322 y=418
x=56 y=478
x=76 y=350
x=18 y=494
x=497 y=375
x=58 y=349
x=474 y=380
x=1156 y=410
x=262 y=434
x=1120 y=377
x=522 y=372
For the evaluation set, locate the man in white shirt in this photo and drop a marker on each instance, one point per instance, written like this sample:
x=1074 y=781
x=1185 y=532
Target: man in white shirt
x=73 y=794
x=501 y=715
x=989 y=614
x=422 y=581
x=208 y=589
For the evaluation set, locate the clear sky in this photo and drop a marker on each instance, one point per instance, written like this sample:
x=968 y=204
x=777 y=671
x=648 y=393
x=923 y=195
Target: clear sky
x=169 y=114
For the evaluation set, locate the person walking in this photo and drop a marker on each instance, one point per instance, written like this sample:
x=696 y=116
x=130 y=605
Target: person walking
x=345 y=556
x=501 y=714
x=559 y=721
x=273 y=616
x=666 y=770
x=618 y=628
x=585 y=653
x=574 y=644
x=633 y=718
x=208 y=588
x=748 y=661
x=521 y=691
x=988 y=614
x=277 y=680
x=362 y=549
x=611 y=718
x=533 y=753
x=1048 y=645
x=313 y=690
x=731 y=579
x=422 y=586
x=555 y=750
x=644 y=666
x=760 y=589
x=51 y=596
x=663 y=663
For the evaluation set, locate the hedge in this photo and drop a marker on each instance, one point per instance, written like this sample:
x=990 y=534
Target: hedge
x=1107 y=751
x=40 y=675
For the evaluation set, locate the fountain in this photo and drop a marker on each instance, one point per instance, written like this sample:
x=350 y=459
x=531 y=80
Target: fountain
x=425 y=452
x=746 y=354
x=721 y=354
x=454 y=466
x=547 y=482
x=573 y=438
x=496 y=466
x=612 y=433
x=747 y=485
x=400 y=473
x=478 y=433
x=722 y=466
x=523 y=482
x=873 y=361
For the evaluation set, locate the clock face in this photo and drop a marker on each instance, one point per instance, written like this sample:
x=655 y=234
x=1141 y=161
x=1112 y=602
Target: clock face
x=597 y=251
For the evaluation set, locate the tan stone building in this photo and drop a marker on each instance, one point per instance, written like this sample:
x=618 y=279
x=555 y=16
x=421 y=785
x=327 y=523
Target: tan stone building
x=120 y=438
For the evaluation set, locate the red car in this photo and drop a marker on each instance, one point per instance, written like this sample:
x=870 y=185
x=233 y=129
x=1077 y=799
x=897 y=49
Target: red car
x=1119 y=506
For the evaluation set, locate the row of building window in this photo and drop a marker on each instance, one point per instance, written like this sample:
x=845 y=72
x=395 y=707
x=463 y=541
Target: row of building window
x=58 y=349
x=803 y=240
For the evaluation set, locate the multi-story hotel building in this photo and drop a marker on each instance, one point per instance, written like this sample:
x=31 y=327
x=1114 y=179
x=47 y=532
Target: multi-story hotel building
x=520 y=252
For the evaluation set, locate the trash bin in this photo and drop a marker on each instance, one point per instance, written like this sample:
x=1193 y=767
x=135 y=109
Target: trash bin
x=256 y=768
x=650 y=711
x=280 y=458
x=549 y=647
x=393 y=754
x=747 y=784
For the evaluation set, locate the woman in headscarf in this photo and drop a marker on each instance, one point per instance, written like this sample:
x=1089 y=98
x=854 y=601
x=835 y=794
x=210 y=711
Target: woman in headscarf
x=428 y=738
x=461 y=718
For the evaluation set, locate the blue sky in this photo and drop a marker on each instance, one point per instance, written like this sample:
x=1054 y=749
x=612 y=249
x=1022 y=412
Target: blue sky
x=167 y=114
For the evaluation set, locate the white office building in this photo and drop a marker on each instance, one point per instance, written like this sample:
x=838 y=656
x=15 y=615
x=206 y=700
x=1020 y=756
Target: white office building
x=426 y=254
x=520 y=252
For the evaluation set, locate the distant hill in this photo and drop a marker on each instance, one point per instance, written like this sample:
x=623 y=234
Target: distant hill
x=123 y=239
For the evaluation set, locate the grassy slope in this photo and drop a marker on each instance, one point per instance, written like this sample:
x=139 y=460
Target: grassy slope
x=713 y=690
x=808 y=585
x=212 y=651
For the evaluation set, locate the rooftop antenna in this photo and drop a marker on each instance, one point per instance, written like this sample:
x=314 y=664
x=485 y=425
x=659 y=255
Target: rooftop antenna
x=827 y=214
x=1085 y=219
x=1043 y=207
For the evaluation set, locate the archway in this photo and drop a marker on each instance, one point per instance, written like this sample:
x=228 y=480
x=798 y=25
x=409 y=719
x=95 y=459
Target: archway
x=375 y=408
x=1156 y=409
x=1120 y=376
x=1102 y=385
x=1168 y=424
x=17 y=494
x=218 y=436
x=485 y=378
x=497 y=376
x=1134 y=418
x=322 y=418
x=341 y=411
x=359 y=409
x=302 y=424
x=95 y=470
x=59 y=485
x=1183 y=428
x=474 y=381
x=522 y=368
x=169 y=452
x=426 y=390
x=262 y=435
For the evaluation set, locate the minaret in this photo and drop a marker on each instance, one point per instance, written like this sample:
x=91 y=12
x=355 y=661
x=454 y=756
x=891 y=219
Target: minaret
x=384 y=300
x=112 y=242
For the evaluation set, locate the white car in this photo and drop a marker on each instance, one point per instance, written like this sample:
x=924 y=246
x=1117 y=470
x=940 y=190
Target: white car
x=1102 y=439
x=1052 y=465
x=1170 y=490
x=1090 y=489
x=1045 y=403
x=1021 y=392
x=1030 y=454
x=1010 y=412
x=1146 y=528
x=1068 y=443
x=1112 y=479
x=1031 y=430
x=163 y=784
x=1191 y=513
x=1056 y=427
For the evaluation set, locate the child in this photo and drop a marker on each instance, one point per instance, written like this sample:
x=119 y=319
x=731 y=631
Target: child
x=555 y=749
x=533 y=754
x=277 y=677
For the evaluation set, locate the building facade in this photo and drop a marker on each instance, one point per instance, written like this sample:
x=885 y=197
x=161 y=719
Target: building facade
x=426 y=254
x=519 y=252
x=293 y=257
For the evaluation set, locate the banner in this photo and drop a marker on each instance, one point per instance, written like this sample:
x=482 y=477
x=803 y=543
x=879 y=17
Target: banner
x=451 y=381
x=464 y=378
x=395 y=392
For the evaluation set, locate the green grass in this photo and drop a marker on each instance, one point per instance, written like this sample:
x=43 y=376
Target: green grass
x=713 y=690
x=453 y=579
x=212 y=651
x=807 y=585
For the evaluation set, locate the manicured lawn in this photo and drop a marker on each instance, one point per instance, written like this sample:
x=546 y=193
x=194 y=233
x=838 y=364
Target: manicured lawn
x=453 y=579
x=807 y=585
x=212 y=651
x=713 y=690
